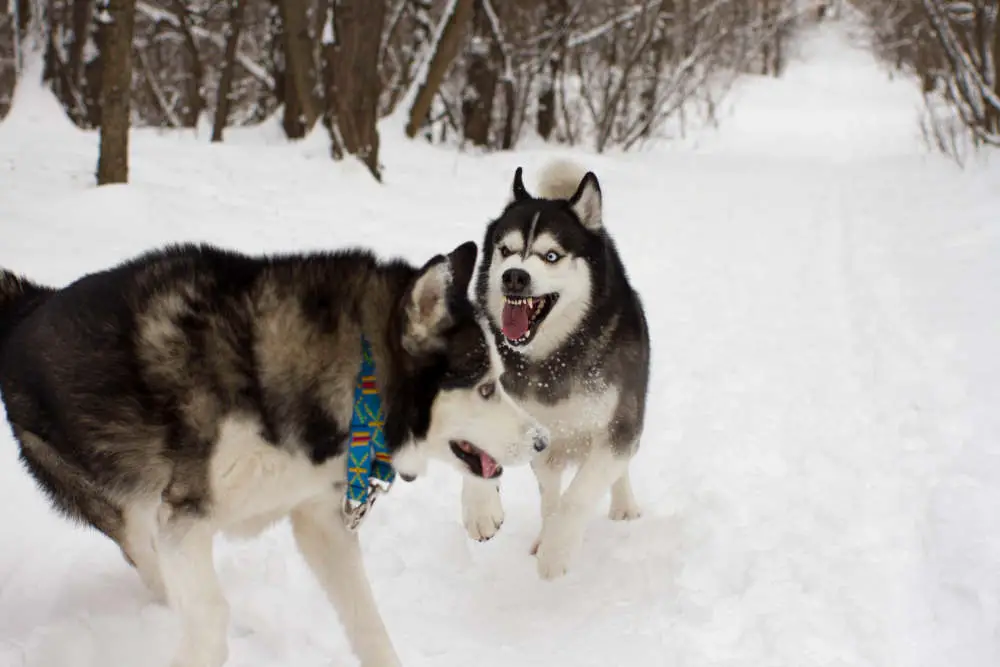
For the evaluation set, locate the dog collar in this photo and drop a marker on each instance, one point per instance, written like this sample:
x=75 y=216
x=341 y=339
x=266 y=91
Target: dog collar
x=369 y=463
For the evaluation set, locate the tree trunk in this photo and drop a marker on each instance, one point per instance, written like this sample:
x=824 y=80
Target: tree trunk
x=649 y=98
x=300 y=116
x=196 y=102
x=484 y=60
x=444 y=54
x=352 y=80
x=116 y=79
x=994 y=46
x=83 y=12
x=21 y=14
x=236 y=9
x=545 y=120
x=510 y=104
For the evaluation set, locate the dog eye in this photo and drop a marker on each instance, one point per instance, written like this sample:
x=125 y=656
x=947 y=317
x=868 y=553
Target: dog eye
x=552 y=257
x=505 y=252
x=487 y=390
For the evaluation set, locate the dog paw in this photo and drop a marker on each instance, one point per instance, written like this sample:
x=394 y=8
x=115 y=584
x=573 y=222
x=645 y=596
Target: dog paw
x=555 y=548
x=553 y=561
x=482 y=513
x=628 y=512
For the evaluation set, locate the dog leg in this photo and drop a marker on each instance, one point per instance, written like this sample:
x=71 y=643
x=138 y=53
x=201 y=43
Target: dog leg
x=562 y=534
x=549 y=477
x=334 y=555
x=192 y=586
x=482 y=511
x=623 y=504
x=139 y=547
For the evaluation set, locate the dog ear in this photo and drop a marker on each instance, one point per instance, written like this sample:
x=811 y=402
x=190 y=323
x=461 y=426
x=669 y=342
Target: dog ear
x=586 y=202
x=463 y=261
x=425 y=307
x=518 y=191
x=426 y=311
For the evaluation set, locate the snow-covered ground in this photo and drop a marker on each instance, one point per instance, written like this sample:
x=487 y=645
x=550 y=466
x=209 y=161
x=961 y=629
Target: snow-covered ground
x=820 y=467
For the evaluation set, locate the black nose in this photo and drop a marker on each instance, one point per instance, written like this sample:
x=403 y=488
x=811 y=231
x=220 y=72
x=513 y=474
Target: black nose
x=540 y=442
x=516 y=281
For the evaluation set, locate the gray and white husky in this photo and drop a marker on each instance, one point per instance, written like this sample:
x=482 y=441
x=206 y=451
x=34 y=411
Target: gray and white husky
x=193 y=390
x=575 y=344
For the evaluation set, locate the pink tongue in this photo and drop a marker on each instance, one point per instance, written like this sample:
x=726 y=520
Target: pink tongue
x=515 y=321
x=489 y=465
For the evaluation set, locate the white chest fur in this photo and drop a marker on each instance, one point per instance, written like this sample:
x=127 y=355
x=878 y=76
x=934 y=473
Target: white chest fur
x=576 y=421
x=255 y=483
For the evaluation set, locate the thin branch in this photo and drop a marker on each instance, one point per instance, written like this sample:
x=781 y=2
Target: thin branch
x=155 y=14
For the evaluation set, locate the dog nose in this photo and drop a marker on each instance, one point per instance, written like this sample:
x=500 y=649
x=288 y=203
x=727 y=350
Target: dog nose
x=516 y=280
x=540 y=439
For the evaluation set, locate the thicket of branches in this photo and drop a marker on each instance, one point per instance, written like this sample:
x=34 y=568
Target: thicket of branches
x=482 y=73
x=953 y=46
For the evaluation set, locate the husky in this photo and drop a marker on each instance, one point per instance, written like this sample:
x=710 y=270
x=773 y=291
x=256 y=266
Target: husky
x=574 y=341
x=192 y=391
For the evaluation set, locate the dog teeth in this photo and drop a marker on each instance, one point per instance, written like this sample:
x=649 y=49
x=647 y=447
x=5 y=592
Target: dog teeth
x=524 y=301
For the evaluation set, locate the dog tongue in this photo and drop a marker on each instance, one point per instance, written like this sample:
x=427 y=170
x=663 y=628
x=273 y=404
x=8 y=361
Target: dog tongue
x=489 y=465
x=515 y=320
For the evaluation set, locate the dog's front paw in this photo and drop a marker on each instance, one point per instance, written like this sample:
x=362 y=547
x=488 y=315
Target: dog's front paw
x=482 y=511
x=553 y=560
x=557 y=544
x=628 y=511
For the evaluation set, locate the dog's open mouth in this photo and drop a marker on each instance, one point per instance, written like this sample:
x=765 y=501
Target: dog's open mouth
x=522 y=315
x=479 y=462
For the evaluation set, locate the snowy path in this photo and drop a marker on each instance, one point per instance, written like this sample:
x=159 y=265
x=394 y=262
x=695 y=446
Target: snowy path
x=819 y=473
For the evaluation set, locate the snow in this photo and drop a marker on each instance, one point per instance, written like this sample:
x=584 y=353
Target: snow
x=328 y=36
x=819 y=473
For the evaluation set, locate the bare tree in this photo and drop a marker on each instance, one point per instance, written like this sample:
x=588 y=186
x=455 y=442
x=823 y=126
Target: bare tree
x=482 y=77
x=13 y=25
x=301 y=109
x=117 y=19
x=446 y=48
x=351 y=49
x=953 y=47
x=969 y=38
x=187 y=19
x=236 y=11
x=613 y=74
x=557 y=15
x=409 y=30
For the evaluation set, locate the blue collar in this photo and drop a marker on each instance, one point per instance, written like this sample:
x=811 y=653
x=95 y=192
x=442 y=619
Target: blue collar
x=369 y=463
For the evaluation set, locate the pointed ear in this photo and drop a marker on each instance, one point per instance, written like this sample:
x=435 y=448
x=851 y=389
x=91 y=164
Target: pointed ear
x=463 y=261
x=518 y=191
x=426 y=311
x=586 y=202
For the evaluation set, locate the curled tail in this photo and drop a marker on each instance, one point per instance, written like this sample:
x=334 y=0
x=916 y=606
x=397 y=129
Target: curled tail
x=18 y=297
x=560 y=178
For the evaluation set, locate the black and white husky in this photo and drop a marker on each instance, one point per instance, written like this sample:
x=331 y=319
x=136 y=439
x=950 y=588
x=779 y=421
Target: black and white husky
x=192 y=391
x=575 y=344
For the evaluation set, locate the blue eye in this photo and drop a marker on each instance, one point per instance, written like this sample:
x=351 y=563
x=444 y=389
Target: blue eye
x=552 y=257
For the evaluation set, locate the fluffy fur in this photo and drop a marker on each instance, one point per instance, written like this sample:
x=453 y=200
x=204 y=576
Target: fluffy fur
x=194 y=390
x=582 y=365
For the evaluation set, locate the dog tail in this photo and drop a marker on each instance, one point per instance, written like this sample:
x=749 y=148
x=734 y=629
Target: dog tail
x=560 y=179
x=18 y=298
